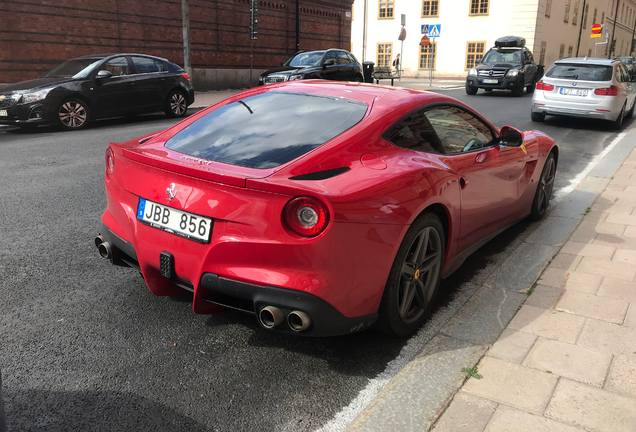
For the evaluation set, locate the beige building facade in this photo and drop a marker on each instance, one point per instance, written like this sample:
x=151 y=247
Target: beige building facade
x=468 y=28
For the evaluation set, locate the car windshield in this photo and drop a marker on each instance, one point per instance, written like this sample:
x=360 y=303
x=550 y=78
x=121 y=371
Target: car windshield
x=585 y=72
x=305 y=59
x=77 y=68
x=267 y=130
x=626 y=60
x=502 y=57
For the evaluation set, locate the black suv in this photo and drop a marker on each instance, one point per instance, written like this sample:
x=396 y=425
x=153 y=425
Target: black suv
x=332 y=64
x=509 y=65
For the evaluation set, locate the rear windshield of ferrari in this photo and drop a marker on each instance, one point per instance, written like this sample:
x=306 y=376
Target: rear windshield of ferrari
x=585 y=72
x=267 y=130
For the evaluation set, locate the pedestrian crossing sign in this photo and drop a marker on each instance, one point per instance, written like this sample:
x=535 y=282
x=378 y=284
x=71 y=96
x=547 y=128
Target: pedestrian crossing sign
x=431 y=30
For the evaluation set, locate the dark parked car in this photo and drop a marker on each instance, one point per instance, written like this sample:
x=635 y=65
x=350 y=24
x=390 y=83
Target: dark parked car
x=331 y=64
x=98 y=86
x=630 y=63
x=509 y=65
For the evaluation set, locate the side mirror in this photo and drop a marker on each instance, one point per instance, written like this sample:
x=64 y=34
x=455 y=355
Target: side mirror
x=510 y=137
x=329 y=62
x=104 y=74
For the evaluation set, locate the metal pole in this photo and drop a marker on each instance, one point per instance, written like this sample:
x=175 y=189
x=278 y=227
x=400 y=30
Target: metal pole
x=185 y=16
x=631 y=50
x=399 y=65
x=297 y=25
x=609 y=52
x=364 y=32
x=578 y=45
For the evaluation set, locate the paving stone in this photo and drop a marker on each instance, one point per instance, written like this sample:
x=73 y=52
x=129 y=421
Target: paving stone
x=565 y=261
x=553 y=231
x=593 y=184
x=574 y=204
x=545 y=297
x=592 y=408
x=625 y=256
x=548 y=324
x=613 y=208
x=627 y=198
x=592 y=306
x=630 y=231
x=570 y=361
x=485 y=315
x=622 y=378
x=630 y=319
x=607 y=268
x=618 y=289
x=507 y=419
x=603 y=227
x=521 y=268
x=571 y=280
x=512 y=384
x=614 y=241
x=616 y=187
x=590 y=250
x=512 y=346
x=619 y=218
x=466 y=413
x=583 y=235
x=608 y=337
x=553 y=277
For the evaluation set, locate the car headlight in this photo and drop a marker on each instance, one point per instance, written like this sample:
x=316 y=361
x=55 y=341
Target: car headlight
x=35 y=96
x=513 y=72
x=473 y=71
x=296 y=77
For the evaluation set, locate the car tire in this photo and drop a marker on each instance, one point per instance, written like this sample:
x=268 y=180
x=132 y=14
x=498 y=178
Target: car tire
x=176 y=104
x=518 y=90
x=408 y=298
x=531 y=87
x=537 y=117
x=73 y=114
x=470 y=90
x=545 y=186
x=618 y=123
x=358 y=79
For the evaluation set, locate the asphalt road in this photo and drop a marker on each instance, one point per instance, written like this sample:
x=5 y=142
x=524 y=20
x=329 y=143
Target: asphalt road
x=86 y=346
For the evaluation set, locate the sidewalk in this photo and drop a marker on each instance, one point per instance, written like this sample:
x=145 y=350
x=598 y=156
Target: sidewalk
x=567 y=360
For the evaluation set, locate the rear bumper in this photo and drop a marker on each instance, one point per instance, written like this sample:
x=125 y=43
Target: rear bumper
x=505 y=83
x=608 y=109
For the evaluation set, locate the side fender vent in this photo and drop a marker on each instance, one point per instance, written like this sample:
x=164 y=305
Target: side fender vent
x=321 y=175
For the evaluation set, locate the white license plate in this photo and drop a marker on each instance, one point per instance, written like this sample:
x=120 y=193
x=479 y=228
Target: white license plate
x=184 y=224
x=3 y=113
x=573 y=91
x=490 y=81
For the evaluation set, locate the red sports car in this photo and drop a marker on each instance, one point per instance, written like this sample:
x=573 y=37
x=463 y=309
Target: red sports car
x=322 y=208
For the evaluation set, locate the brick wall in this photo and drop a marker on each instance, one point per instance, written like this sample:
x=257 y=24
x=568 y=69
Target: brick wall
x=36 y=35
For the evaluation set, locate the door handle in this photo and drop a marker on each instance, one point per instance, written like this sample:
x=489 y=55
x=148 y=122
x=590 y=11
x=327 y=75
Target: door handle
x=162 y=79
x=130 y=84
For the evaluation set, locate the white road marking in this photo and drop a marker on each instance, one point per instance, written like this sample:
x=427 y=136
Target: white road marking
x=414 y=345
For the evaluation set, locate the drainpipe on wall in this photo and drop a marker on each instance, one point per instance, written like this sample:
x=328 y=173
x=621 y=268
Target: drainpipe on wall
x=364 y=32
x=185 y=17
x=578 y=45
x=631 y=48
x=297 y=25
x=609 y=53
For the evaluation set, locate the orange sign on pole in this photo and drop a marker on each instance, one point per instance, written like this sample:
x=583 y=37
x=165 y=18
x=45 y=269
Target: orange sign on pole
x=425 y=41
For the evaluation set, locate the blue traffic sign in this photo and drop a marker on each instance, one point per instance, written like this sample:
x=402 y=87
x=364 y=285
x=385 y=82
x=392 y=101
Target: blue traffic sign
x=431 y=30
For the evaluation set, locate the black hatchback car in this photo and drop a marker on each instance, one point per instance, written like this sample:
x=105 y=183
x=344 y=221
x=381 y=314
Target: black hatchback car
x=331 y=64
x=94 y=87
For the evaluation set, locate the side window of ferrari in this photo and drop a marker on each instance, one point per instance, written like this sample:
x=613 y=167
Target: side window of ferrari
x=459 y=131
x=414 y=132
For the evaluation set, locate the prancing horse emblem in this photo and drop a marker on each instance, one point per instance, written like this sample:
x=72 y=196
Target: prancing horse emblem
x=172 y=192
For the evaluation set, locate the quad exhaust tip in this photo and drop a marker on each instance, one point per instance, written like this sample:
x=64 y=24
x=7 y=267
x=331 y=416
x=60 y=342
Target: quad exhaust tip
x=298 y=321
x=270 y=317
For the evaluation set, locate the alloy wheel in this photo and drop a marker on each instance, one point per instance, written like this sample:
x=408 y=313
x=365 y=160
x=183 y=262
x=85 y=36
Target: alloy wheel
x=419 y=276
x=546 y=183
x=72 y=114
x=178 y=104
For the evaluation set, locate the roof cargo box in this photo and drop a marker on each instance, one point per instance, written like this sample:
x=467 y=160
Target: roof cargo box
x=510 y=42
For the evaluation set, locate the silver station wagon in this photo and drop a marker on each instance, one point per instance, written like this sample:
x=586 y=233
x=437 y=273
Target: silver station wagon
x=582 y=87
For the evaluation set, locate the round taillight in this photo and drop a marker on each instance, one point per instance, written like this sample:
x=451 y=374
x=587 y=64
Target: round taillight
x=110 y=161
x=306 y=216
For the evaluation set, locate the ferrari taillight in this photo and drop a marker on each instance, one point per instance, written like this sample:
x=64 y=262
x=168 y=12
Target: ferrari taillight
x=543 y=86
x=609 y=91
x=110 y=161
x=306 y=216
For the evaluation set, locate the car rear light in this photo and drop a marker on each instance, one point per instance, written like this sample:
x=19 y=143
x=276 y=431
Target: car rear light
x=543 y=86
x=110 y=161
x=186 y=76
x=306 y=216
x=609 y=91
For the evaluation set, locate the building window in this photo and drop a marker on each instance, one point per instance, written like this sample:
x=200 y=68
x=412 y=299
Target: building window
x=428 y=56
x=570 y=49
x=561 y=50
x=566 y=18
x=585 y=14
x=479 y=7
x=602 y=18
x=385 y=51
x=474 y=52
x=575 y=16
x=352 y=12
x=542 y=52
x=611 y=8
x=589 y=52
x=430 y=8
x=386 y=9
x=594 y=16
x=548 y=8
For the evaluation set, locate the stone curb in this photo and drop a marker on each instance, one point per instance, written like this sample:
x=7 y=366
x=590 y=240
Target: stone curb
x=416 y=397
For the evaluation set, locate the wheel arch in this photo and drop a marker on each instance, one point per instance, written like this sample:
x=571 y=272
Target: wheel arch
x=77 y=96
x=182 y=91
x=442 y=213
